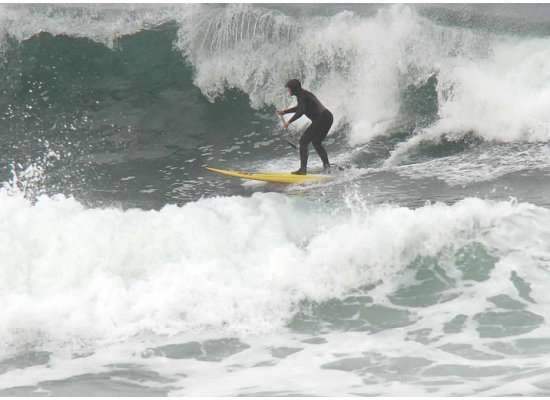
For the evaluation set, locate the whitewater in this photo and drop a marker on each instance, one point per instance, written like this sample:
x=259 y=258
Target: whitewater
x=127 y=269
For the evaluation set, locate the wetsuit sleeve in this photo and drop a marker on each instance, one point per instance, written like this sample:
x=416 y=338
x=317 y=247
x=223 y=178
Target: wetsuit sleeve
x=299 y=112
x=290 y=110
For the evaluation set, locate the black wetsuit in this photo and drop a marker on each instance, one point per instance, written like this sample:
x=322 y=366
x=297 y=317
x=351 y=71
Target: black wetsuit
x=321 y=121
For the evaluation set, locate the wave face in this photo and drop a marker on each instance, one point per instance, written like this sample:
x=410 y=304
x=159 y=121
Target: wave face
x=93 y=94
x=125 y=268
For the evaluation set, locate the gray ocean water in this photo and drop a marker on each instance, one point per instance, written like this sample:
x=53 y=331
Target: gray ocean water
x=420 y=269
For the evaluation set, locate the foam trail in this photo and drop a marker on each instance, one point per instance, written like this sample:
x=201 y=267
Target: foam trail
x=484 y=163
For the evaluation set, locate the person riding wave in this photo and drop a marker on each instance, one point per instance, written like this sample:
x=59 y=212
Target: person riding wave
x=321 y=121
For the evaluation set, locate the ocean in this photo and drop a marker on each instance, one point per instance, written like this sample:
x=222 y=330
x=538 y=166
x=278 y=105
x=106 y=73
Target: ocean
x=421 y=269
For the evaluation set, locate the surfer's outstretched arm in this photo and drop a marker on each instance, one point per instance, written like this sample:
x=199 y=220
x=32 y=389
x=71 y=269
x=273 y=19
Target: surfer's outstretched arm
x=290 y=110
x=298 y=114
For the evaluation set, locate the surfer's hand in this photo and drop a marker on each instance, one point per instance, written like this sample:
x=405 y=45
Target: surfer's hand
x=281 y=113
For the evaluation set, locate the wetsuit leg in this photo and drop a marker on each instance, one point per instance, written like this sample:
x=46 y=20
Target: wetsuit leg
x=305 y=140
x=322 y=152
x=315 y=133
x=322 y=131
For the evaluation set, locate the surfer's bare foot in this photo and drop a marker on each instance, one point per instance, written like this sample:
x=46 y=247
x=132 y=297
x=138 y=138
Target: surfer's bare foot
x=300 y=172
x=326 y=168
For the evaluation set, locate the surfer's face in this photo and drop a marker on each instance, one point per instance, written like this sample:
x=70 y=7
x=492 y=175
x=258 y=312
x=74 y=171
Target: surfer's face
x=289 y=92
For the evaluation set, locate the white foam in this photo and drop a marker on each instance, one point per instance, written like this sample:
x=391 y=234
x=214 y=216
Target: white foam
x=503 y=97
x=231 y=264
x=357 y=65
x=354 y=64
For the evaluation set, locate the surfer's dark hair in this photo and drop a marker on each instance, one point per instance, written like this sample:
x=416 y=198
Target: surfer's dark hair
x=294 y=85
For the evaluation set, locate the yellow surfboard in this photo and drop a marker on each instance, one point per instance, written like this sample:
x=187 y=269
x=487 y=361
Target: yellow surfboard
x=273 y=177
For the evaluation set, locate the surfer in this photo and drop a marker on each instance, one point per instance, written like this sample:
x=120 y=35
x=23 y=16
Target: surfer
x=321 y=121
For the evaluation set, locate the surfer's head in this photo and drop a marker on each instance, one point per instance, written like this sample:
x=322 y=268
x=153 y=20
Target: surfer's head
x=294 y=86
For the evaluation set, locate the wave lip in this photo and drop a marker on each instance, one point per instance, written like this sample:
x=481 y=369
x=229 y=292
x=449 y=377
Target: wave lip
x=101 y=23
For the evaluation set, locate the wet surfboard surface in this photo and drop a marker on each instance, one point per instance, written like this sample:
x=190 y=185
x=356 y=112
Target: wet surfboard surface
x=272 y=177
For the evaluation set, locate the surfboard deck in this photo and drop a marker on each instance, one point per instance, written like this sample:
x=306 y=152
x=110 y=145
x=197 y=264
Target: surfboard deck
x=272 y=177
